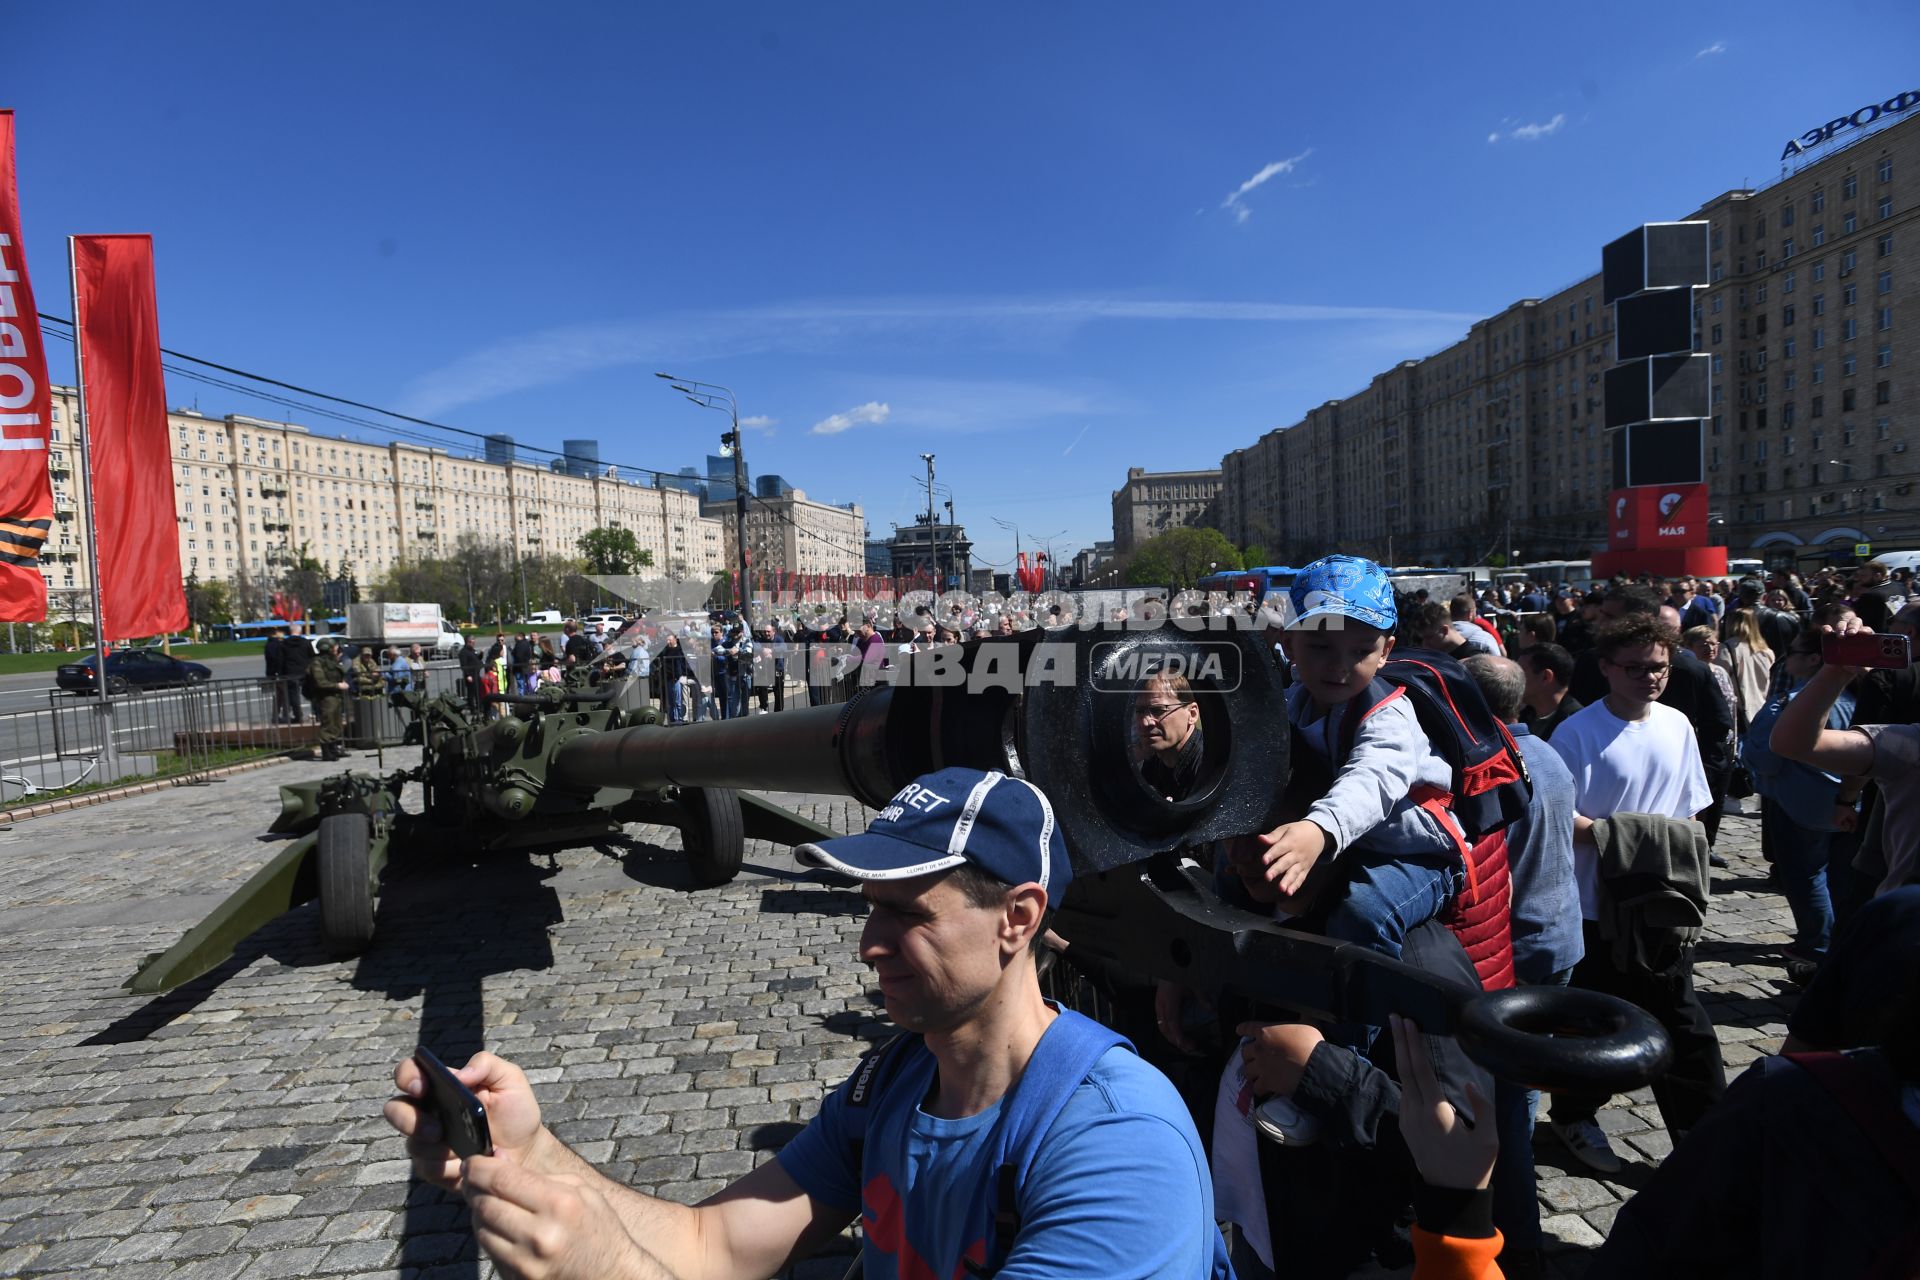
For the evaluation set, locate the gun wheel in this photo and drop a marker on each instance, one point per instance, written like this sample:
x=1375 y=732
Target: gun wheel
x=714 y=834
x=346 y=882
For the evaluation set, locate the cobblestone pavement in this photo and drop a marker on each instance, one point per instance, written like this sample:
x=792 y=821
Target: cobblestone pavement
x=676 y=1036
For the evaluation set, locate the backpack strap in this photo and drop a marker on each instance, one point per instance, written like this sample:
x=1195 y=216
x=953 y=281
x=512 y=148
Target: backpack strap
x=878 y=1069
x=1060 y=1064
x=1377 y=694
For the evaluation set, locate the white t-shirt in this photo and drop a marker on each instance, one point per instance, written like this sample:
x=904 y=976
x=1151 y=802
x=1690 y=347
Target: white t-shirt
x=1627 y=766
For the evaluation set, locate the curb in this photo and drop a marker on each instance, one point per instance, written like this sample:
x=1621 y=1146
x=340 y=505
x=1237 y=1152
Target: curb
x=65 y=803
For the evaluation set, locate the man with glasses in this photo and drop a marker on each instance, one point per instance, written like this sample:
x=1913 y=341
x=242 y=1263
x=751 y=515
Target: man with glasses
x=1168 y=723
x=1630 y=754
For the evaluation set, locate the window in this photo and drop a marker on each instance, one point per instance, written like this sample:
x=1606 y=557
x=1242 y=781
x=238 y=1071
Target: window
x=1886 y=246
x=1819 y=200
x=1884 y=321
x=1850 y=187
x=1847 y=400
x=1786 y=282
x=1819 y=407
x=1847 y=261
x=1849 y=294
x=1819 y=272
x=1760 y=293
x=1883 y=358
x=1786 y=248
x=1849 y=329
x=1819 y=372
x=1884 y=283
x=1819 y=304
x=1717 y=339
x=1786 y=215
x=1786 y=315
x=1819 y=234
x=1883 y=392
x=1760 y=451
x=1786 y=351
x=1886 y=169
x=1849 y=364
x=1819 y=337
x=1849 y=223
x=1886 y=207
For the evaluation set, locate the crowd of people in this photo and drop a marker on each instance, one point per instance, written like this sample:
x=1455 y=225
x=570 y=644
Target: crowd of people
x=1630 y=715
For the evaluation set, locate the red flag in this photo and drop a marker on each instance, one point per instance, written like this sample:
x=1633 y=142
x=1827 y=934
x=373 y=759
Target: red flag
x=131 y=474
x=26 y=499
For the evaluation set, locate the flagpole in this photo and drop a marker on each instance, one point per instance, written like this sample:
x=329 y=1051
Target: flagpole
x=108 y=754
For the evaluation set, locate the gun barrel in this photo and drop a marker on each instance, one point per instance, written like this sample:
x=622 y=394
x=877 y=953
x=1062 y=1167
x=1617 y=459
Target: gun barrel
x=829 y=750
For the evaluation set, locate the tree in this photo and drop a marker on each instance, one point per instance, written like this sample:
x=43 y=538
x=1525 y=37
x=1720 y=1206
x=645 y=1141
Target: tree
x=1179 y=558
x=611 y=551
x=207 y=602
x=1254 y=557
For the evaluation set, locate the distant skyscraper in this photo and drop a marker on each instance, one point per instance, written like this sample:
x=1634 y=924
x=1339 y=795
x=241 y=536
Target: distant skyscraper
x=771 y=486
x=688 y=481
x=581 y=458
x=720 y=478
x=500 y=450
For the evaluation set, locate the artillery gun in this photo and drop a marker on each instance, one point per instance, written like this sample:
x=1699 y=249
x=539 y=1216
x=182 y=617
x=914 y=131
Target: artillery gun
x=1051 y=707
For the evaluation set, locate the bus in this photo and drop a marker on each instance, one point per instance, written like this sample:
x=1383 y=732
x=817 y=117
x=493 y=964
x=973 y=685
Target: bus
x=264 y=629
x=1273 y=577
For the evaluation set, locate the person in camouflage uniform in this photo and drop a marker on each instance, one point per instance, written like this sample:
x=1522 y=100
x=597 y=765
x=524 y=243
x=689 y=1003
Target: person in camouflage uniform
x=326 y=682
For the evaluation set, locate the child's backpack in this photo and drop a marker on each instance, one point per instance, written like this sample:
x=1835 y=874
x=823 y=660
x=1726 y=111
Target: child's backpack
x=1491 y=786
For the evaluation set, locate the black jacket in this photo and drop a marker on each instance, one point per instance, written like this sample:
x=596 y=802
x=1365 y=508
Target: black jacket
x=276 y=657
x=296 y=655
x=471 y=663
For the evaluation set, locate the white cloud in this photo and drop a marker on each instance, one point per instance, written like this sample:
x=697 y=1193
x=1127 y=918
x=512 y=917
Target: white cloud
x=1531 y=132
x=1717 y=47
x=760 y=422
x=1235 y=198
x=870 y=414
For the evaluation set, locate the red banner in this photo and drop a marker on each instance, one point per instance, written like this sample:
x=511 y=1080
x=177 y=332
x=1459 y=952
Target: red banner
x=130 y=476
x=26 y=499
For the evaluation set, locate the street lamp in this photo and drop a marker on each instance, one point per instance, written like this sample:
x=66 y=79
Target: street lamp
x=711 y=395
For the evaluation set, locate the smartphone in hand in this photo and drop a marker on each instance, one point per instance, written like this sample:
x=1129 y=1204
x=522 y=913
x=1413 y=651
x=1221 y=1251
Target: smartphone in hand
x=1890 y=650
x=463 y=1120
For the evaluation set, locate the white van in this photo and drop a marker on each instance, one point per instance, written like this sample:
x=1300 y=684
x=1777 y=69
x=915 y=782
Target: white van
x=544 y=618
x=1908 y=560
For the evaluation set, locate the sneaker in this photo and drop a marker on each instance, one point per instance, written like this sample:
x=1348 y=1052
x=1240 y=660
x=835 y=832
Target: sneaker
x=1589 y=1145
x=1279 y=1120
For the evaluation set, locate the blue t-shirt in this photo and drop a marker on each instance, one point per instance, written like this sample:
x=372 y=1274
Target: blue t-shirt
x=1119 y=1188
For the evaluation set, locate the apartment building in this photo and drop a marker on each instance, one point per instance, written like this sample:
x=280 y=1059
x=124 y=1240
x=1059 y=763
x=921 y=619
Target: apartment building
x=1152 y=502
x=792 y=532
x=251 y=493
x=1497 y=440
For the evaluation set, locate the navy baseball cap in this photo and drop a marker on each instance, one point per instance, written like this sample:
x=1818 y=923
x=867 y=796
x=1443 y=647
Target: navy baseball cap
x=1345 y=587
x=1001 y=824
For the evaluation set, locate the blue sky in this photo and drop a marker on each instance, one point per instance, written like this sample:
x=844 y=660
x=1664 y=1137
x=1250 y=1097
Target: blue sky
x=1042 y=241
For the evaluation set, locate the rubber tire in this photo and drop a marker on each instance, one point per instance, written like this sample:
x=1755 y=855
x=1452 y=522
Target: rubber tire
x=194 y=678
x=714 y=834
x=345 y=847
x=118 y=686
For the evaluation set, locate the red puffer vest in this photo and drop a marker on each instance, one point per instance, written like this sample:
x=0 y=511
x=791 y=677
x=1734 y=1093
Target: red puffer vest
x=1479 y=916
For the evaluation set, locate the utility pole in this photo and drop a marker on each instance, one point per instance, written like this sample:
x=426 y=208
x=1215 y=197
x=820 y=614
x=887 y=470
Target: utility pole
x=933 y=536
x=711 y=395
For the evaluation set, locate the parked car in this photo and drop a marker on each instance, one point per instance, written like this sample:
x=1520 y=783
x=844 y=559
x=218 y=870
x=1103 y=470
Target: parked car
x=611 y=621
x=130 y=671
x=545 y=618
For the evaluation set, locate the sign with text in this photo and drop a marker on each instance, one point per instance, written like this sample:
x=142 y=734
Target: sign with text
x=1657 y=516
x=1857 y=120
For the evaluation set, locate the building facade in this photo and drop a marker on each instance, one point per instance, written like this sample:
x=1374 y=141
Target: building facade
x=941 y=549
x=1152 y=502
x=251 y=494
x=794 y=533
x=1496 y=442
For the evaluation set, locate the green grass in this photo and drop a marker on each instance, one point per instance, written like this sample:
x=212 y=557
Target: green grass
x=167 y=764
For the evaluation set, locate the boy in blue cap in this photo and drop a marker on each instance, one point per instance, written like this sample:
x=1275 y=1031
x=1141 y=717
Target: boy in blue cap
x=1384 y=817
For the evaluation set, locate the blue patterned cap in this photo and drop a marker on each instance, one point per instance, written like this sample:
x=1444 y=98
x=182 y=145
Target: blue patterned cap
x=1345 y=586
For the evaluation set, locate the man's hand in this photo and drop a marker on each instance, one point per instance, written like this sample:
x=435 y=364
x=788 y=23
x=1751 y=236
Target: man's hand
x=538 y=1226
x=1169 y=1005
x=1451 y=1150
x=1291 y=852
x=1276 y=1054
x=513 y=1116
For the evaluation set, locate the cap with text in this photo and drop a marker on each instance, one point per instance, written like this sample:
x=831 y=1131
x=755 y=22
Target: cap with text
x=1002 y=825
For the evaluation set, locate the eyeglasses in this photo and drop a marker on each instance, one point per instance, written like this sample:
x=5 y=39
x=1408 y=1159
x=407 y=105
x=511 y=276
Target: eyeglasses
x=1158 y=714
x=1639 y=670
